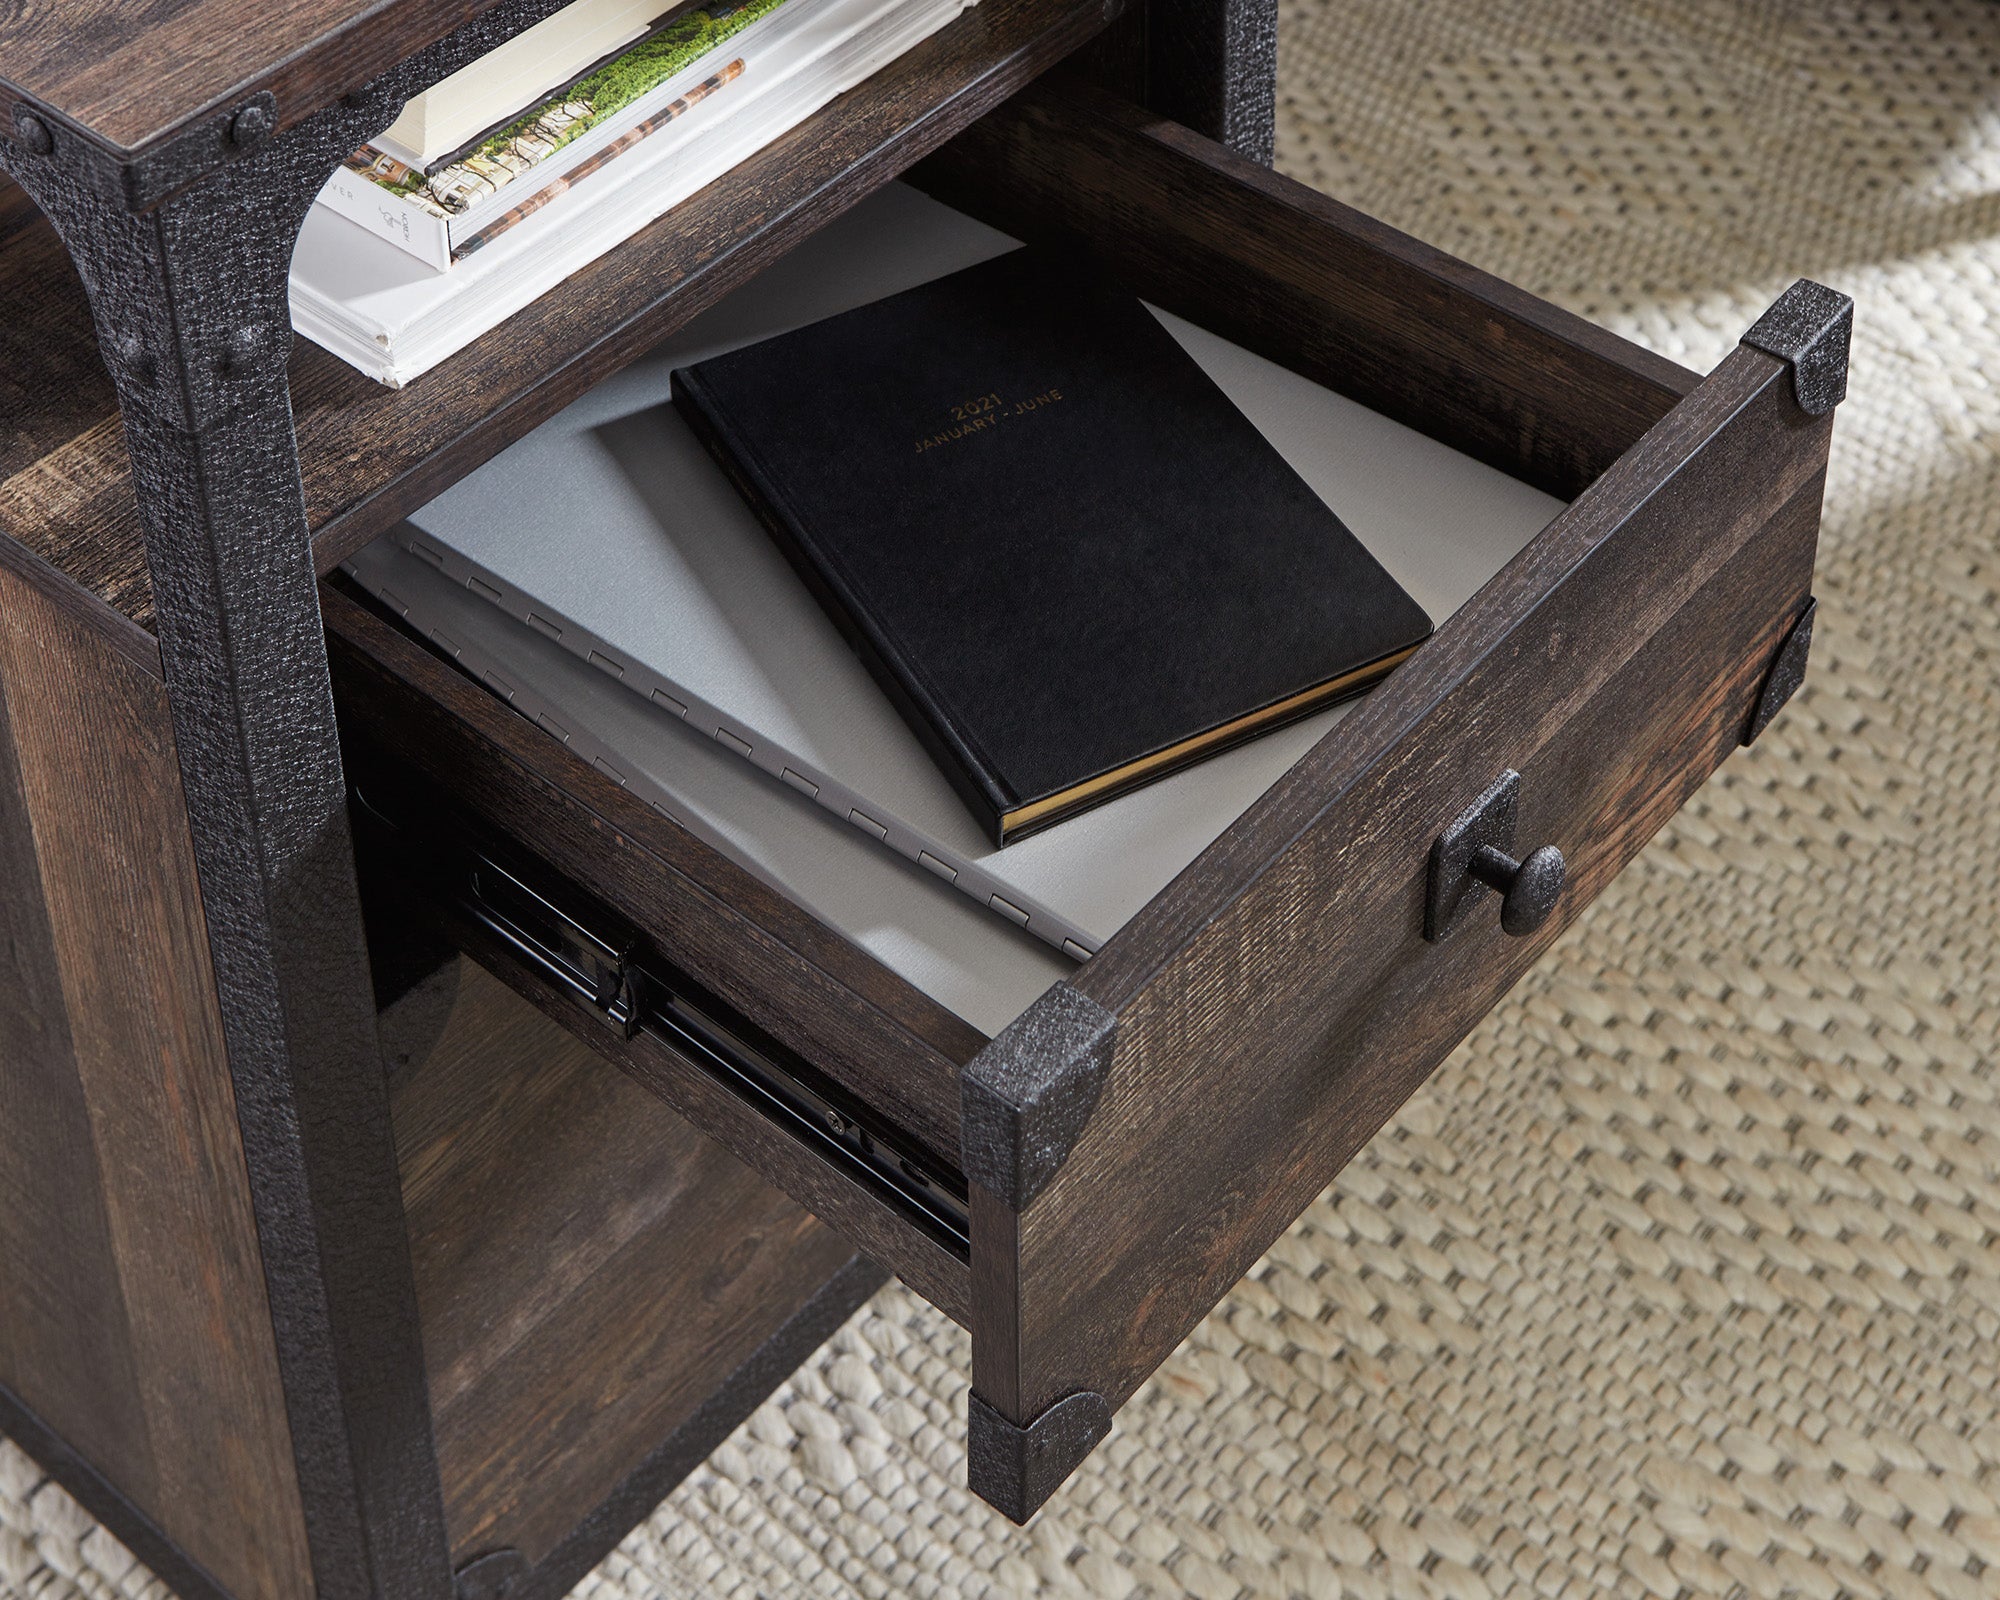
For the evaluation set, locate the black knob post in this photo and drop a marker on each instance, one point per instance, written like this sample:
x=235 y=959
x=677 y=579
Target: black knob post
x=1530 y=887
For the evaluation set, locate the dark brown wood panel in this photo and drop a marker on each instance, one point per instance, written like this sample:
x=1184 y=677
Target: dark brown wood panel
x=135 y=1322
x=857 y=1213
x=589 y=1268
x=65 y=489
x=1314 y=285
x=371 y=455
x=63 y=1332
x=1278 y=1001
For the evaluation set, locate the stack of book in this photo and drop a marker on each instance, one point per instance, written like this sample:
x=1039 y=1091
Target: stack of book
x=502 y=180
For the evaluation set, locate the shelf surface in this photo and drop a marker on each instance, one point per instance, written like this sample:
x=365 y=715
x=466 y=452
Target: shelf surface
x=589 y=1268
x=371 y=455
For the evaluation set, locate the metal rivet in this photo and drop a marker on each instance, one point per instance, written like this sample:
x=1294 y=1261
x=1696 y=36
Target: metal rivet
x=250 y=124
x=240 y=348
x=31 y=133
x=130 y=352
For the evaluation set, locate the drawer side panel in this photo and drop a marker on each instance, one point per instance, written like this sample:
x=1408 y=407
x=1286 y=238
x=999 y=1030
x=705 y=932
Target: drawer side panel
x=1311 y=284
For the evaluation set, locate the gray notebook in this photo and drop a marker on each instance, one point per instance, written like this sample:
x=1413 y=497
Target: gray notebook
x=611 y=532
x=960 y=955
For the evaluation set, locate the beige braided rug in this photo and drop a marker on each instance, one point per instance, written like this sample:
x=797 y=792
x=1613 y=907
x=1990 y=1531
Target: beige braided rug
x=1682 y=1276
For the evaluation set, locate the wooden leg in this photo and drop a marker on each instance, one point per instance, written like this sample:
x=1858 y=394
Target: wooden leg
x=190 y=303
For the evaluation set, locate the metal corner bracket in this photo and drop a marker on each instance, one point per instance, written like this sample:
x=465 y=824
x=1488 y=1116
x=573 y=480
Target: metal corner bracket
x=1015 y=1469
x=1026 y=1098
x=1787 y=672
x=1809 y=327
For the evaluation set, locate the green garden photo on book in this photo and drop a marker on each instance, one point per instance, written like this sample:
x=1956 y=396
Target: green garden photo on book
x=565 y=116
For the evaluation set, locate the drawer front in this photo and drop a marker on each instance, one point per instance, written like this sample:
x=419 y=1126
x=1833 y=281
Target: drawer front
x=1139 y=1138
x=1276 y=1006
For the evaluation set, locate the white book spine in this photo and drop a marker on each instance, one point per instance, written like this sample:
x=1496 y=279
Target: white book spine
x=409 y=228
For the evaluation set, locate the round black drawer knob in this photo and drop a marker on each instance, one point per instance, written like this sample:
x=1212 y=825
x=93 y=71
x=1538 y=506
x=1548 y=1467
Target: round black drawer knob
x=1531 y=887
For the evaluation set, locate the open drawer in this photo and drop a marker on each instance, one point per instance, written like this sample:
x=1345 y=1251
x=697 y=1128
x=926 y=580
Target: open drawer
x=1082 y=1188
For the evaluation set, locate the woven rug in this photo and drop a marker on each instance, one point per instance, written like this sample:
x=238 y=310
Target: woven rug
x=1681 y=1277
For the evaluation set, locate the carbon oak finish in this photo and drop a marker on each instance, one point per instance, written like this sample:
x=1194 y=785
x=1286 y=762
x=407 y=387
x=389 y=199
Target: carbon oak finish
x=1146 y=1130
x=189 y=300
x=589 y=1268
x=187 y=507
x=1278 y=1003
x=133 y=1319
x=512 y=1296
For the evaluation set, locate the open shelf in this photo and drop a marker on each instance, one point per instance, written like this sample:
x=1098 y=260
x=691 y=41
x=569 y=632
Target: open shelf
x=370 y=455
x=590 y=1270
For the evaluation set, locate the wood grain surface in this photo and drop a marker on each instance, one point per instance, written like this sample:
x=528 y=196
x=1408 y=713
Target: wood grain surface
x=134 y=1321
x=854 y=1209
x=589 y=1268
x=131 y=72
x=1318 y=287
x=371 y=455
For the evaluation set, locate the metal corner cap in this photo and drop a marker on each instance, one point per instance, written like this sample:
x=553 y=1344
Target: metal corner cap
x=1809 y=327
x=1015 y=1469
x=1027 y=1097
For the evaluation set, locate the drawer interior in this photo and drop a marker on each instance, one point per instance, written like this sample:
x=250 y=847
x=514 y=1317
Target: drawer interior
x=1130 y=1130
x=615 y=539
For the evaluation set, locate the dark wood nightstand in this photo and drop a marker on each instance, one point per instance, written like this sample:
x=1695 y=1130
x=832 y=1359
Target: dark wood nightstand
x=294 y=1318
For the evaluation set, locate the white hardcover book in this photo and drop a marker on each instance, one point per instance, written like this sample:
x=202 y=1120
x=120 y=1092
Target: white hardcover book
x=610 y=532
x=512 y=76
x=438 y=237
x=381 y=311
x=350 y=196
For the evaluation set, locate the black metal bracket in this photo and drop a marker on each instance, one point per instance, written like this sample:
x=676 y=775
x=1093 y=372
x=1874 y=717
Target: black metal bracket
x=1015 y=1469
x=492 y=1576
x=1027 y=1097
x=1809 y=326
x=1487 y=822
x=142 y=180
x=1213 y=65
x=1788 y=671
